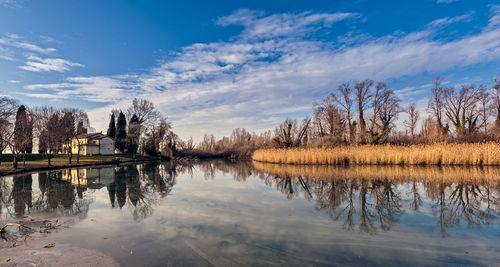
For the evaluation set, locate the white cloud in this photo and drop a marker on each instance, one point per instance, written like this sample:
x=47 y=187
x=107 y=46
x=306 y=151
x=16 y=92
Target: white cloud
x=14 y=40
x=281 y=25
x=446 y=1
x=9 y=3
x=38 y=64
x=446 y=21
x=13 y=81
x=34 y=48
x=94 y=89
x=254 y=78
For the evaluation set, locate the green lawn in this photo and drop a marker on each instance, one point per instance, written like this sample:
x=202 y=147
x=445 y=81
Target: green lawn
x=34 y=161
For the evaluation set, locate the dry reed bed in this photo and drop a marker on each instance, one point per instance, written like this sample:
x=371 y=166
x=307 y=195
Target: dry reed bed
x=478 y=154
x=449 y=174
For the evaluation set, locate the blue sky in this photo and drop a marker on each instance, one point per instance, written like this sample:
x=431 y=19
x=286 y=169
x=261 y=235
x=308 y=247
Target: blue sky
x=214 y=66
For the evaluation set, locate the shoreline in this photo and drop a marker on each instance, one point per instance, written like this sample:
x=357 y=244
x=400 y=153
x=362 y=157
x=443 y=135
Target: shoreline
x=74 y=165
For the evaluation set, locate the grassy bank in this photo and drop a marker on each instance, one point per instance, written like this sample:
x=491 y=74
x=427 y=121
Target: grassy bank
x=37 y=162
x=479 y=154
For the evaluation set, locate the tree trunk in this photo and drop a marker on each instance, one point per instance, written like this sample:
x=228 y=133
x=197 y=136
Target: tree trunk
x=70 y=154
x=14 y=160
x=49 y=155
x=78 y=154
x=24 y=159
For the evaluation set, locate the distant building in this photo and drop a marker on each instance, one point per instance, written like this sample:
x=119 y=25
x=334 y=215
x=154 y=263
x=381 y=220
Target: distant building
x=92 y=144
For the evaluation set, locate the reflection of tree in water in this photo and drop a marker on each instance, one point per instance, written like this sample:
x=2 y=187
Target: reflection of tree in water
x=240 y=170
x=54 y=197
x=373 y=204
x=21 y=194
x=463 y=201
x=144 y=185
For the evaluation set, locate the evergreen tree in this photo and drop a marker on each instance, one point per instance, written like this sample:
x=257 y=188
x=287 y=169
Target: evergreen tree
x=23 y=134
x=112 y=127
x=121 y=132
x=133 y=134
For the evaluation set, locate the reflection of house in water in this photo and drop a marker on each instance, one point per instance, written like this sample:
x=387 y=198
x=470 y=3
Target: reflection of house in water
x=89 y=177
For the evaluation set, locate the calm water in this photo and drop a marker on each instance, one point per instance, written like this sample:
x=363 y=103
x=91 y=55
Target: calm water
x=219 y=213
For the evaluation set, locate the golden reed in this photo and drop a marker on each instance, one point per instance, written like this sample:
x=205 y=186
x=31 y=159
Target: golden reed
x=477 y=154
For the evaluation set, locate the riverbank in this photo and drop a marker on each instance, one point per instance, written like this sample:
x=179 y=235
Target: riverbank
x=478 y=154
x=61 y=162
x=34 y=242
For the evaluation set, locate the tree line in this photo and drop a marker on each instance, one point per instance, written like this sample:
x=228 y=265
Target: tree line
x=142 y=128
x=365 y=112
x=147 y=131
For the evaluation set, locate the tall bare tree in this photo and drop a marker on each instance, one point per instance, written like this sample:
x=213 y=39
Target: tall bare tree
x=345 y=100
x=495 y=103
x=67 y=131
x=389 y=109
x=484 y=108
x=436 y=103
x=413 y=116
x=8 y=107
x=363 y=96
x=54 y=135
x=376 y=105
x=461 y=109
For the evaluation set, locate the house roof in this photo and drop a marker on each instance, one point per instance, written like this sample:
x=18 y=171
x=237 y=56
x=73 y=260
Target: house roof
x=92 y=136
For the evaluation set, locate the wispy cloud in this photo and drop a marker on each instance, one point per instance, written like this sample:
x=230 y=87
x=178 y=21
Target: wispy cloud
x=13 y=81
x=279 y=25
x=446 y=21
x=9 y=3
x=37 y=64
x=14 y=40
x=255 y=77
x=95 y=89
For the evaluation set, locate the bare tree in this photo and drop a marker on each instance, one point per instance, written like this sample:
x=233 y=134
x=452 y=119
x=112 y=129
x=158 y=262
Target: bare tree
x=376 y=105
x=290 y=134
x=460 y=109
x=8 y=107
x=145 y=111
x=344 y=99
x=413 y=116
x=436 y=103
x=363 y=96
x=147 y=115
x=484 y=109
x=329 y=118
x=495 y=103
x=52 y=135
x=388 y=111
x=67 y=132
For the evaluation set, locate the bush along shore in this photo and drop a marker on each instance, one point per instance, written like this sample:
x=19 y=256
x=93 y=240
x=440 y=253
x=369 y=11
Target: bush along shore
x=473 y=154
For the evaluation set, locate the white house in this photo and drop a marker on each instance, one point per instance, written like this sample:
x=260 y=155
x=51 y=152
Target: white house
x=92 y=144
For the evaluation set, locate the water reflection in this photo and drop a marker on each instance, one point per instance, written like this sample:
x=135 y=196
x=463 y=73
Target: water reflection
x=371 y=198
x=69 y=192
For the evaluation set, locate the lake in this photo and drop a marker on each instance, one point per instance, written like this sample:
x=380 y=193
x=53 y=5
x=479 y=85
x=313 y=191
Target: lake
x=218 y=213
